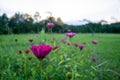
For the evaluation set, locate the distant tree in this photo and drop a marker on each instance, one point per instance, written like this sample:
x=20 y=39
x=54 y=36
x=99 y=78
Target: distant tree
x=37 y=19
x=28 y=23
x=90 y=26
x=15 y=22
x=24 y=23
x=4 y=28
x=59 y=21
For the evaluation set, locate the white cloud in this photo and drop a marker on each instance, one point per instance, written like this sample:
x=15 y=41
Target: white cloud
x=66 y=9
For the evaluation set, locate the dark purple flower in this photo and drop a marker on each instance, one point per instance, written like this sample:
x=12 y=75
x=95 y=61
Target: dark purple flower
x=30 y=40
x=94 y=41
x=94 y=58
x=41 y=51
x=50 y=25
x=76 y=45
x=70 y=34
x=81 y=47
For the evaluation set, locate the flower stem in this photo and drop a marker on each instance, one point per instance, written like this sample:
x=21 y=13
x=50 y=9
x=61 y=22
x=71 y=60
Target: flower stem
x=51 y=30
x=41 y=69
x=73 y=70
x=25 y=71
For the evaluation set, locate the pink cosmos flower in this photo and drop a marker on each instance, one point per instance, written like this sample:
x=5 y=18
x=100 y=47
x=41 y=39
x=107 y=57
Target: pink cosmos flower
x=70 y=34
x=41 y=51
x=50 y=25
x=94 y=41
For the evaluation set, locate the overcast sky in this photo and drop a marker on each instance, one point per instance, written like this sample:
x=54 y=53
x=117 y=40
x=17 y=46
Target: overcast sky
x=68 y=10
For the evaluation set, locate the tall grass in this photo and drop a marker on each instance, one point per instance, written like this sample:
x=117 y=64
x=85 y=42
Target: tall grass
x=65 y=63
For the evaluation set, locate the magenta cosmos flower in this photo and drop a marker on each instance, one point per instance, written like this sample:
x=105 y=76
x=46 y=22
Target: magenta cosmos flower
x=94 y=41
x=81 y=47
x=50 y=25
x=70 y=34
x=41 y=51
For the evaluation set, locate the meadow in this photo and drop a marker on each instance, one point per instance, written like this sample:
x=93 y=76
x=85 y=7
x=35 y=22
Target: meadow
x=99 y=61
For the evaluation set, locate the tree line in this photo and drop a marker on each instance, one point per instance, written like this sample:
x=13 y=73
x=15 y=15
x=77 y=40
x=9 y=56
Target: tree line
x=24 y=23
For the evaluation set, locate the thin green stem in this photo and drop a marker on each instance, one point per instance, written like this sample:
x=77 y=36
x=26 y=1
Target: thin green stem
x=73 y=73
x=25 y=71
x=41 y=70
x=51 y=30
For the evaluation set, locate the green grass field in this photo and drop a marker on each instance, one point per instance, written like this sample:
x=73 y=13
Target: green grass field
x=65 y=63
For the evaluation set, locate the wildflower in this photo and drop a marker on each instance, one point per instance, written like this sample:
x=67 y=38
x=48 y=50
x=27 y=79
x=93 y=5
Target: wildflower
x=41 y=51
x=55 y=47
x=81 y=47
x=27 y=51
x=76 y=45
x=50 y=25
x=63 y=41
x=68 y=42
x=94 y=58
x=70 y=34
x=94 y=41
x=30 y=40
